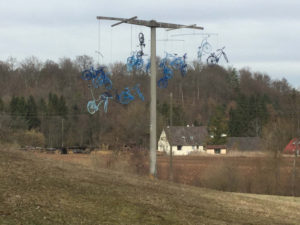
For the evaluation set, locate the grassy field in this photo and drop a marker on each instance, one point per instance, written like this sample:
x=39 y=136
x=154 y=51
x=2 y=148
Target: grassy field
x=36 y=190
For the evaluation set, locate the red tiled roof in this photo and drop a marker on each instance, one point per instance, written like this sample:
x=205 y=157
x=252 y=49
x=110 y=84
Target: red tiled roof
x=292 y=146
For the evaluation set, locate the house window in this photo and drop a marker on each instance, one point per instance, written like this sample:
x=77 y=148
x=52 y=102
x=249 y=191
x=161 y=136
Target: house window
x=179 y=147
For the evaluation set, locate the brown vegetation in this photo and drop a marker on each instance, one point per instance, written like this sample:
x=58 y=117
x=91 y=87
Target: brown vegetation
x=45 y=191
x=195 y=100
x=248 y=173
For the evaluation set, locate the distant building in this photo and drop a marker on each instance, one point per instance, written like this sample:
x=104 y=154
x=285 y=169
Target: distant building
x=292 y=146
x=216 y=149
x=182 y=140
x=244 y=143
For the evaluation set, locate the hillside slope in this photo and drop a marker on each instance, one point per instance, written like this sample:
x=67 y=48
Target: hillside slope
x=40 y=191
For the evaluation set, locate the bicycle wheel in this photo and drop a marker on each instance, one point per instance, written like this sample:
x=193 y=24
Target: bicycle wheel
x=176 y=63
x=225 y=57
x=212 y=60
x=87 y=75
x=92 y=107
x=141 y=38
x=130 y=63
x=139 y=63
x=206 y=48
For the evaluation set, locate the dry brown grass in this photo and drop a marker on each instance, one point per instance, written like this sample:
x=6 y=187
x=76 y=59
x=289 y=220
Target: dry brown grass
x=36 y=190
x=249 y=173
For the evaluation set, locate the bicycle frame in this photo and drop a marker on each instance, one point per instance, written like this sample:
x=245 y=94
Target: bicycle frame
x=179 y=63
x=126 y=97
x=135 y=61
x=98 y=77
x=214 y=58
x=93 y=106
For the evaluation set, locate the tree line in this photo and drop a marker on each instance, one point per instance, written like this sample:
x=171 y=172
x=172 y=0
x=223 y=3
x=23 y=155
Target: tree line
x=50 y=98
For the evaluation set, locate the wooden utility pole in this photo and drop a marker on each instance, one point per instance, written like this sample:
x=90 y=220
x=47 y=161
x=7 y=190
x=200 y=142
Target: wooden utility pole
x=152 y=24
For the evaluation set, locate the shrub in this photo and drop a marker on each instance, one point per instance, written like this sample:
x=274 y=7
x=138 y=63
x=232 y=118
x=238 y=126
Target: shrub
x=29 y=138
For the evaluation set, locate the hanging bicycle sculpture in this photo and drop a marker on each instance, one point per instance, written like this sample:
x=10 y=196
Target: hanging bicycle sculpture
x=126 y=96
x=168 y=64
x=135 y=61
x=214 y=58
x=100 y=78
x=204 y=48
x=179 y=63
x=93 y=105
x=167 y=71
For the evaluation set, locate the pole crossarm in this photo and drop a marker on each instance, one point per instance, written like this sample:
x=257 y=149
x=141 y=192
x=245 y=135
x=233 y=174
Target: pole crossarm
x=189 y=26
x=124 y=21
x=150 y=23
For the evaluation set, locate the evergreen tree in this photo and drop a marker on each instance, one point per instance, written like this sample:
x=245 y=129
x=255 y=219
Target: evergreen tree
x=62 y=108
x=57 y=106
x=32 y=114
x=21 y=107
x=52 y=104
x=178 y=118
x=17 y=109
x=239 y=118
x=218 y=126
x=13 y=105
x=42 y=107
x=249 y=116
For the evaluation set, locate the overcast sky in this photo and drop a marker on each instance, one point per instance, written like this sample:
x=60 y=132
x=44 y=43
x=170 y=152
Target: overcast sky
x=260 y=35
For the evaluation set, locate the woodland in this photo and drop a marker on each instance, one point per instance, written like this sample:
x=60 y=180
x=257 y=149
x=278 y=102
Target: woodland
x=45 y=104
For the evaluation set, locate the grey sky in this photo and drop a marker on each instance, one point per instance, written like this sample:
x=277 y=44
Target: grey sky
x=261 y=35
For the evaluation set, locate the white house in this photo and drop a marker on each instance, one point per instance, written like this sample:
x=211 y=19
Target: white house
x=182 y=140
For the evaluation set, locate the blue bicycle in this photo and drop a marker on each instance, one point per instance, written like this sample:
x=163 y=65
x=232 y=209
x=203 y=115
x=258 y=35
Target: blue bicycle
x=93 y=105
x=126 y=97
x=214 y=58
x=179 y=63
x=98 y=77
x=167 y=71
x=135 y=61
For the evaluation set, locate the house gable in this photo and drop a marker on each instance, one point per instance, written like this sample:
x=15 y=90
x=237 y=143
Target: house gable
x=182 y=140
